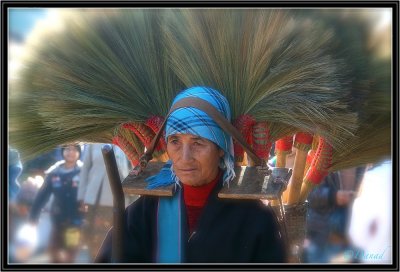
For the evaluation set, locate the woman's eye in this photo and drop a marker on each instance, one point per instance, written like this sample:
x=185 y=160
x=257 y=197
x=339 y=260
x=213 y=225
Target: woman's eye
x=173 y=141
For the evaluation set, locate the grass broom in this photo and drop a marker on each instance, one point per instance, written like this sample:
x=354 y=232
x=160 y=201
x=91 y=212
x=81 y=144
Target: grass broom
x=265 y=65
x=106 y=68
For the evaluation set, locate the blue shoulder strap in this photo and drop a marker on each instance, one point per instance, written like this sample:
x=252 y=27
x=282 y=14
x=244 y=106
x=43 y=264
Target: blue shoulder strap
x=169 y=232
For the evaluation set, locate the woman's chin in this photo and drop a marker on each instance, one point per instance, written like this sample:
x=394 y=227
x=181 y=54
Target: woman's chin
x=190 y=181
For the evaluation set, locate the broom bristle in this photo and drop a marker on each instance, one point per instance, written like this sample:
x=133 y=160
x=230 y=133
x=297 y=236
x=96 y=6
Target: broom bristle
x=106 y=68
x=110 y=67
x=370 y=86
x=268 y=65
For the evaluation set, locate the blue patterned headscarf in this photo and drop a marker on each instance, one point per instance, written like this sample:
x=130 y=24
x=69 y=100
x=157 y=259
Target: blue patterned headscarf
x=190 y=120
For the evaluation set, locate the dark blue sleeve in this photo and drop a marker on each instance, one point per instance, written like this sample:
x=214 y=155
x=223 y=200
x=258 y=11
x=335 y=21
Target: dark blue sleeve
x=323 y=198
x=41 y=199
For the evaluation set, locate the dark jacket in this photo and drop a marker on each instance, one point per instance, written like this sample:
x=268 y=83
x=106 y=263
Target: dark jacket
x=63 y=185
x=324 y=216
x=228 y=231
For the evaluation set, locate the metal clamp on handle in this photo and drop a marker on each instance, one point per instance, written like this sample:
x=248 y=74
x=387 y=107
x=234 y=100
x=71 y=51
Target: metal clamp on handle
x=276 y=182
x=143 y=161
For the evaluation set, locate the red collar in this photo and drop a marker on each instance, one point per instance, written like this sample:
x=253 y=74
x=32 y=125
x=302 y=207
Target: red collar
x=197 y=195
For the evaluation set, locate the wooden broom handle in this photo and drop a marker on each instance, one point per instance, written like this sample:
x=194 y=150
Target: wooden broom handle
x=214 y=114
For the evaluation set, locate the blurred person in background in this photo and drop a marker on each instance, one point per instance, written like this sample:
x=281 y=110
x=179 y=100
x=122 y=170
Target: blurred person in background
x=328 y=216
x=39 y=164
x=95 y=196
x=14 y=171
x=20 y=248
x=370 y=226
x=61 y=181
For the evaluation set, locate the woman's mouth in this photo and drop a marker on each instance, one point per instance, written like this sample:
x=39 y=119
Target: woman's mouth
x=187 y=170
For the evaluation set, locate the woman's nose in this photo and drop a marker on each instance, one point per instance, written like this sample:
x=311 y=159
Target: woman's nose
x=186 y=152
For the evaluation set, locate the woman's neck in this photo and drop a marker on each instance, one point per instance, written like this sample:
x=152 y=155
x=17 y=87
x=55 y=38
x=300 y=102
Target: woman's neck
x=197 y=195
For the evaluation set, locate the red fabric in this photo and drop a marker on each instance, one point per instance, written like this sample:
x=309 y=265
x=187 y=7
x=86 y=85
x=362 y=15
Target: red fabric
x=155 y=122
x=261 y=140
x=321 y=162
x=303 y=137
x=284 y=144
x=323 y=156
x=143 y=132
x=195 y=197
x=315 y=176
x=244 y=124
x=193 y=214
x=310 y=156
x=127 y=148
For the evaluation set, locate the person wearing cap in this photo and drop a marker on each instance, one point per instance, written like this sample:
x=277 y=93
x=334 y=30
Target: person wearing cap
x=195 y=226
x=61 y=181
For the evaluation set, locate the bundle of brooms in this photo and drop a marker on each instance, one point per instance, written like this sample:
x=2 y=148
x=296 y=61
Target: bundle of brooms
x=370 y=98
x=111 y=75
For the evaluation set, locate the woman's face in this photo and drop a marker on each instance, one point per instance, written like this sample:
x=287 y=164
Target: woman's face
x=195 y=159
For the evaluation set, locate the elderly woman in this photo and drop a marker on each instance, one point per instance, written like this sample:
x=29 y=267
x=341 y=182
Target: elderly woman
x=195 y=226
